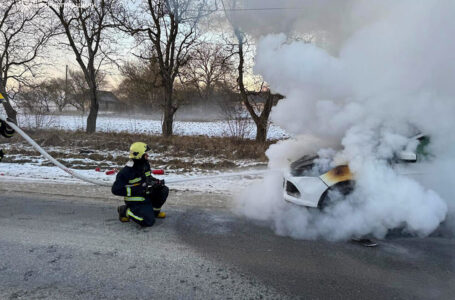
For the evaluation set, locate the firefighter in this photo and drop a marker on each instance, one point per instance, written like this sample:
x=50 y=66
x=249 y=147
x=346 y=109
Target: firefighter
x=143 y=194
x=5 y=130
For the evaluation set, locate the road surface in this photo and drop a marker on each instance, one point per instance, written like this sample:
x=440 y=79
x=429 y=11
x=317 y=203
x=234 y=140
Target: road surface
x=65 y=242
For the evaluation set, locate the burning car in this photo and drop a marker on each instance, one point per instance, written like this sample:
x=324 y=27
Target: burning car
x=310 y=186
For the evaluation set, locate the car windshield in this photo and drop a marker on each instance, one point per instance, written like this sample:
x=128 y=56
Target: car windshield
x=422 y=148
x=303 y=165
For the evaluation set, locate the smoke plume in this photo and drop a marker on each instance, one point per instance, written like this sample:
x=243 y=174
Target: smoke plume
x=388 y=74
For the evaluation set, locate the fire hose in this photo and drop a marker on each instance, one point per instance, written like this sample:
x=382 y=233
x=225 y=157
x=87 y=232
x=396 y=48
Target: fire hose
x=77 y=175
x=51 y=159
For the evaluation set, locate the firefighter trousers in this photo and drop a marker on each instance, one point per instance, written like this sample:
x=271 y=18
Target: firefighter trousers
x=144 y=213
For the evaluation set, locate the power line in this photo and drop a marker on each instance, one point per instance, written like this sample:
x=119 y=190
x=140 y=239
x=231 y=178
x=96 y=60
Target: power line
x=251 y=9
x=263 y=8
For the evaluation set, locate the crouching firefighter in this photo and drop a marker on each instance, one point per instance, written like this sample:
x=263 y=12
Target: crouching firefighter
x=144 y=194
x=5 y=129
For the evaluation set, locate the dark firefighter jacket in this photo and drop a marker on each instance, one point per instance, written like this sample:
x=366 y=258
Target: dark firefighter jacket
x=5 y=130
x=130 y=181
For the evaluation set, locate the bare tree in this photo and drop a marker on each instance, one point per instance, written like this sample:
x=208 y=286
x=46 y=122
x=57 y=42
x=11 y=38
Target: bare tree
x=85 y=24
x=78 y=90
x=259 y=113
x=260 y=118
x=210 y=66
x=44 y=97
x=166 y=30
x=238 y=123
x=35 y=103
x=141 y=85
x=24 y=32
x=57 y=91
x=34 y=99
x=41 y=97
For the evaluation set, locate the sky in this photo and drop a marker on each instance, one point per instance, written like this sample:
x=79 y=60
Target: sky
x=215 y=28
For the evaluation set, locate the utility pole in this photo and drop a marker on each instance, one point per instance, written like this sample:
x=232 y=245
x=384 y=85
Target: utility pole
x=66 y=84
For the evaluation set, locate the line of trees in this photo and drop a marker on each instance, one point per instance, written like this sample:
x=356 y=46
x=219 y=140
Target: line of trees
x=58 y=93
x=171 y=59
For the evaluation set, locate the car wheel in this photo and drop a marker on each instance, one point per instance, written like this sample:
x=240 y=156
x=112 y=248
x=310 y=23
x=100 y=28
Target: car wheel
x=335 y=193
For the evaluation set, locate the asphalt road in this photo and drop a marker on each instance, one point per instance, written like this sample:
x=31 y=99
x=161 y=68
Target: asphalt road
x=66 y=247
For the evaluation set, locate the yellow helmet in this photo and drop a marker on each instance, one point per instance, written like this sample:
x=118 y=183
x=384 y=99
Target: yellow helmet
x=138 y=149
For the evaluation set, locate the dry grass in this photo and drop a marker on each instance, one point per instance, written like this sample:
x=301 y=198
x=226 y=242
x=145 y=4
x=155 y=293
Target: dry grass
x=223 y=148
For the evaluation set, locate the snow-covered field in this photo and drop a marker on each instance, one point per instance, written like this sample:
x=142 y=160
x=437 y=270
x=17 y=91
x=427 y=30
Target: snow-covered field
x=23 y=165
x=134 y=124
x=31 y=168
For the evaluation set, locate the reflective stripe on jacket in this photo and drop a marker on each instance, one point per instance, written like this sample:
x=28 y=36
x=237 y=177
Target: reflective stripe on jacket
x=5 y=130
x=129 y=182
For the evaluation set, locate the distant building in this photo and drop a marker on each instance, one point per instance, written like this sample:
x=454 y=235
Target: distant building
x=109 y=102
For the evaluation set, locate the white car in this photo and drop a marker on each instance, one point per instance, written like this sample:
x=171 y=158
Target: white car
x=303 y=185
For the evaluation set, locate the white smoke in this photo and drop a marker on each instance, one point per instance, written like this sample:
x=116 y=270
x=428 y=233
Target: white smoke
x=325 y=22
x=392 y=77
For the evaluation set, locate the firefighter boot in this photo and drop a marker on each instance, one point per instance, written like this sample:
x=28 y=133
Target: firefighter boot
x=159 y=214
x=122 y=213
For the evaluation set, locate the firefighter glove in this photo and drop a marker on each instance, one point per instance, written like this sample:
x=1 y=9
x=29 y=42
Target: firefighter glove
x=157 y=185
